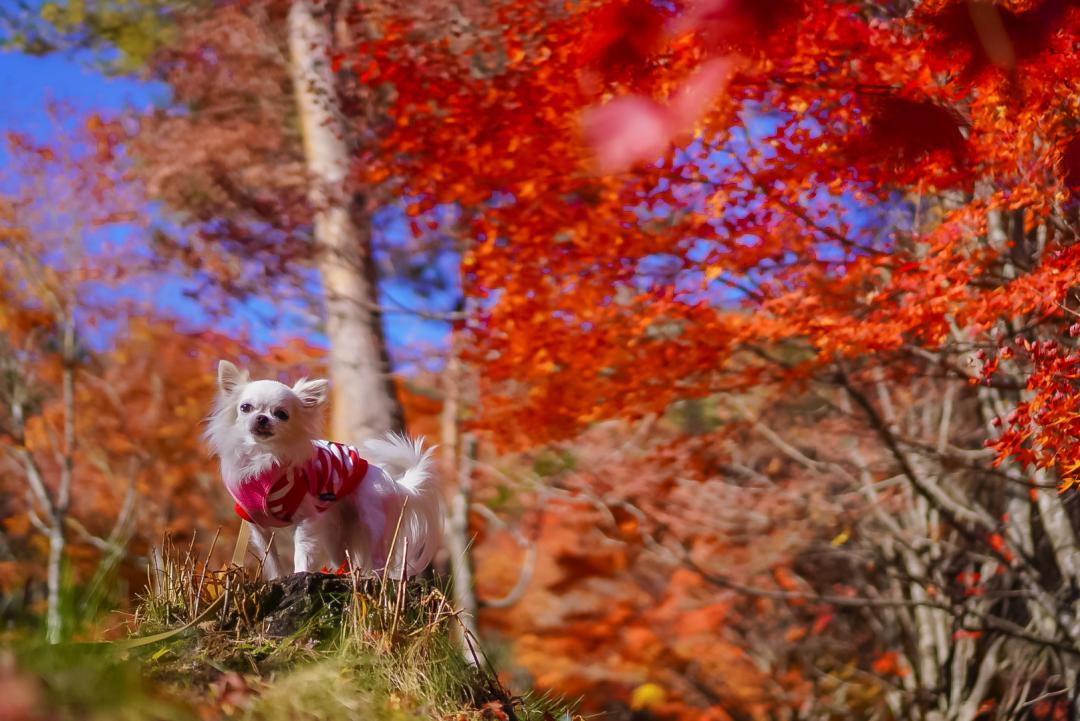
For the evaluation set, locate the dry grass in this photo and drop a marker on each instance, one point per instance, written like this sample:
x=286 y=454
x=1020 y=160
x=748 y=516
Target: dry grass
x=317 y=646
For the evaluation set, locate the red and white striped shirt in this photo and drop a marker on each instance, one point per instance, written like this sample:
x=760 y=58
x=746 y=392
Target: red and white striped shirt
x=273 y=497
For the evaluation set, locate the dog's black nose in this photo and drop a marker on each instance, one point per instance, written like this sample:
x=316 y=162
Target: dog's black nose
x=262 y=421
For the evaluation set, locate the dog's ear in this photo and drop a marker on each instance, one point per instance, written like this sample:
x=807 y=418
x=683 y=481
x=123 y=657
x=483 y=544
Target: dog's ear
x=229 y=377
x=311 y=393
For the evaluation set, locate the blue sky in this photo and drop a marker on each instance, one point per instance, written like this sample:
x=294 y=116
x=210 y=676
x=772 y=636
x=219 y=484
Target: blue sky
x=30 y=83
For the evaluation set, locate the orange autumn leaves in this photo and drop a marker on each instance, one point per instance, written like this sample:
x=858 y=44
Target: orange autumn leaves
x=865 y=197
x=605 y=614
x=802 y=216
x=139 y=408
x=1040 y=432
x=141 y=379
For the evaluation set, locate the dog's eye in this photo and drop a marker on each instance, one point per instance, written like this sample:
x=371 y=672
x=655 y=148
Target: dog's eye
x=245 y=408
x=281 y=415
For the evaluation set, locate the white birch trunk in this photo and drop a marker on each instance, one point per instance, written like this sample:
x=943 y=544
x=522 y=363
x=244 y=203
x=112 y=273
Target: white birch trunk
x=457 y=452
x=365 y=402
x=53 y=621
x=59 y=510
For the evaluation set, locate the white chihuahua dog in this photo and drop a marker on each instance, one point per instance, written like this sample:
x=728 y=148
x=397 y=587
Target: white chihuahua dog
x=387 y=514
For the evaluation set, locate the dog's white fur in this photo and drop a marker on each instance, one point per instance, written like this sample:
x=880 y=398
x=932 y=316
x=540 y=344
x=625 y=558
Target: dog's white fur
x=398 y=484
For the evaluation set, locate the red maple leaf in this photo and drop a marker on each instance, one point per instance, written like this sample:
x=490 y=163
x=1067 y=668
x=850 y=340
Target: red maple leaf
x=623 y=36
x=907 y=131
x=991 y=34
x=1070 y=164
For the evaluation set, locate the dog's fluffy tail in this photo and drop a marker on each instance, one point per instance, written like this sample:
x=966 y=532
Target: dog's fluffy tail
x=409 y=465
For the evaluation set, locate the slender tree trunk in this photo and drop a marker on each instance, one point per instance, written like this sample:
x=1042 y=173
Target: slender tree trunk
x=53 y=621
x=57 y=540
x=365 y=401
x=458 y=454
x=457 y=543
